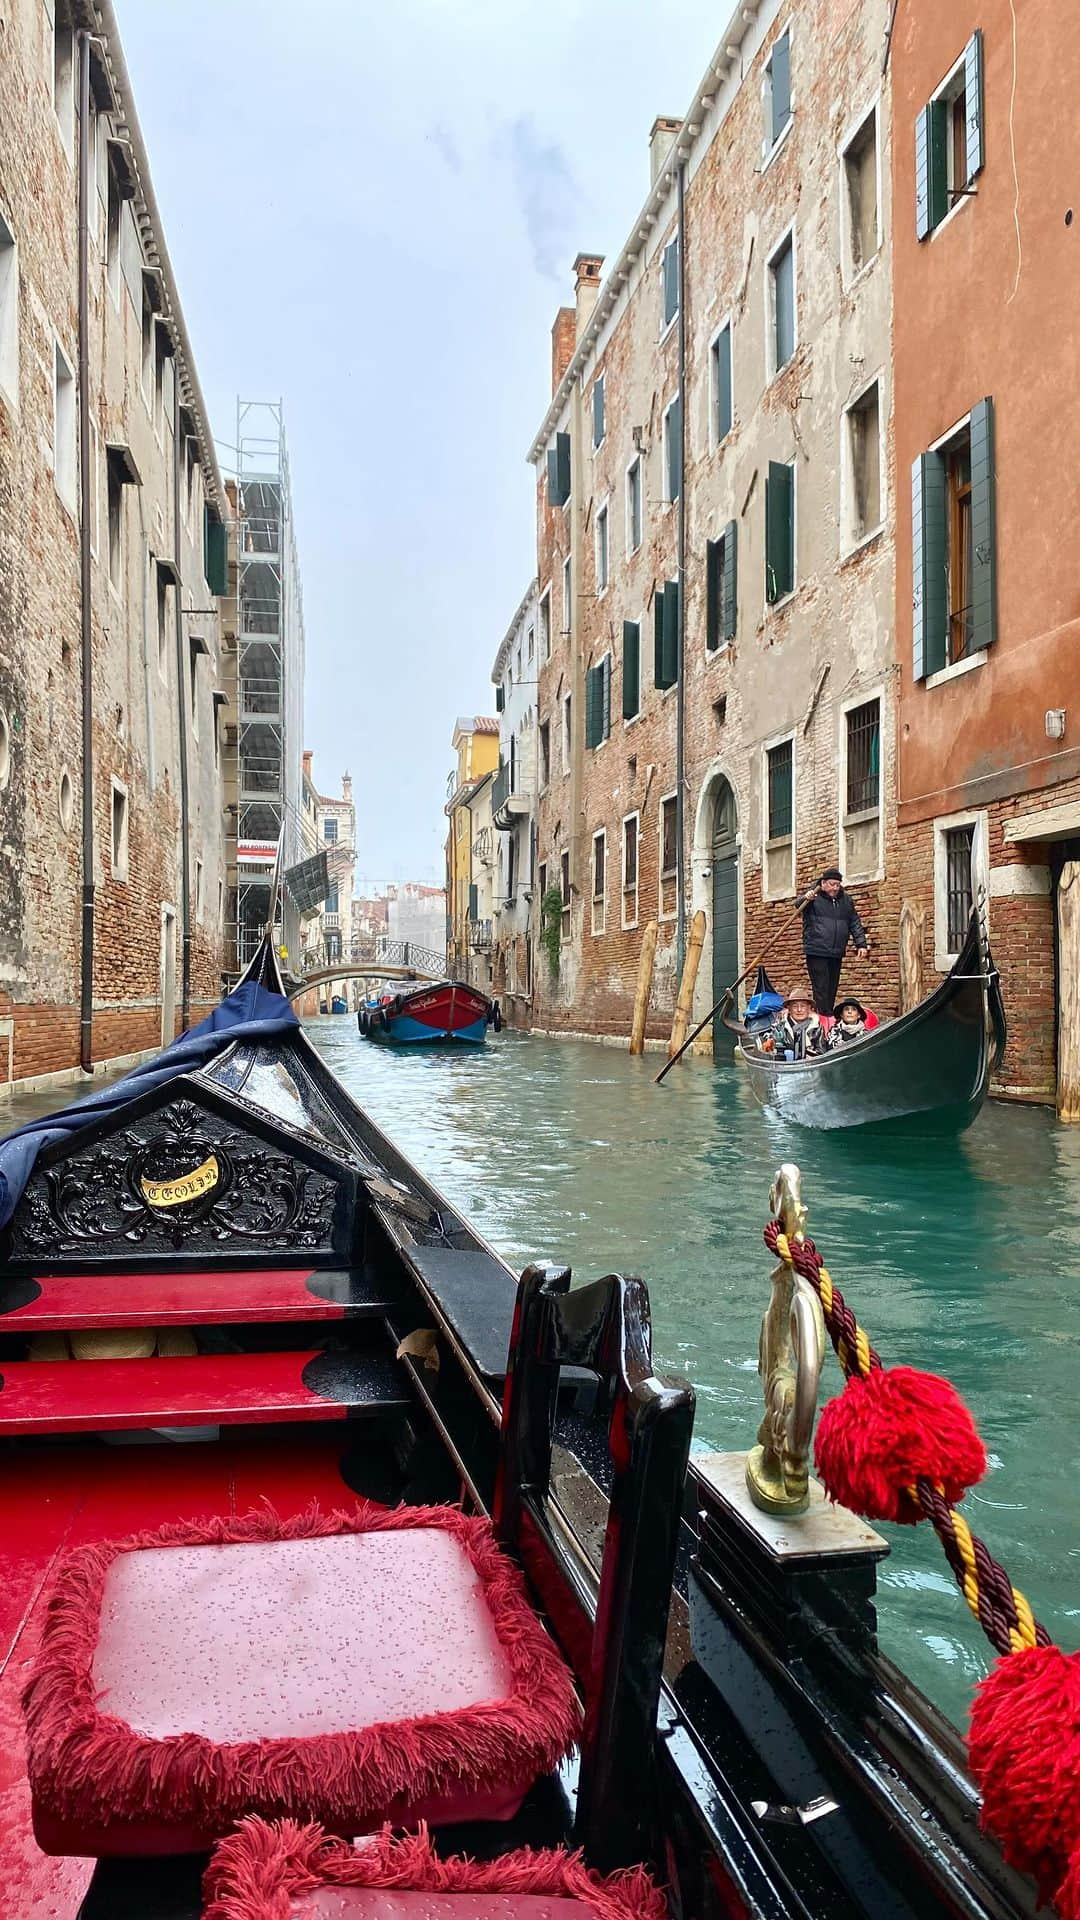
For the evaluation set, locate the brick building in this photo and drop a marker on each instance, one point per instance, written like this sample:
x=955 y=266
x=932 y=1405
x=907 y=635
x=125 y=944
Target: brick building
x=715 y=516
x=112 y=555
x=987 y=594
x=512 y=806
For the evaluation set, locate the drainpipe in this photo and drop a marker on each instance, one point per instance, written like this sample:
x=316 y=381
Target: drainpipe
x=86 y=187
x=183 y=671
x=680 y=695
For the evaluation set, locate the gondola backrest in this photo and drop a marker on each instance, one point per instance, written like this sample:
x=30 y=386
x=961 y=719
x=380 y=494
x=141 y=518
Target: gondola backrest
x=615 y=1643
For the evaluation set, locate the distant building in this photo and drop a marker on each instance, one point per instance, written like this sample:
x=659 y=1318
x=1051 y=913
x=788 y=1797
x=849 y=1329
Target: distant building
x=416 y=917
x=369 y=924
x=330 y=828
x=513 y=807
x=470 y=850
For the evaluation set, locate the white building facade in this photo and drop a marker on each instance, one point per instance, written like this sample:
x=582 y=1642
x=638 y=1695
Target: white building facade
x=513 y=810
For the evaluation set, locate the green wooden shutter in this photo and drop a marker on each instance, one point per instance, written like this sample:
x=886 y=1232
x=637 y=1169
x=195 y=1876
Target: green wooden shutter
x=631 y=668
x=215 y=552
x=714 y=564
x=671 y=633
x=473 y=902
x=598 y=410
x=983 y=529
x=605 y=689
x=929 y=601
x=780 y=75
x=779 y=531
x=674 y=449
x=931 y=174
x=724 y=409
x=591 y=708
x=658 y=638
x=670 y=271
x=500 y=699
x=558 y=470
x=973 y=92
x=729 y=606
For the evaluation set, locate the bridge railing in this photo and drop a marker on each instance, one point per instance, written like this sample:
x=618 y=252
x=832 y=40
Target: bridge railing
x=409 y=953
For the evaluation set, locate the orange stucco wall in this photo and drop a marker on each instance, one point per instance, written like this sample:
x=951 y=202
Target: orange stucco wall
x=990 y=304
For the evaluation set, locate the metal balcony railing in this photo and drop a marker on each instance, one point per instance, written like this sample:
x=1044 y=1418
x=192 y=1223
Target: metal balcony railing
x=480 y=936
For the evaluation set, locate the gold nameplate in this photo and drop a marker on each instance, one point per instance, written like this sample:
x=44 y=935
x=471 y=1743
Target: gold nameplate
x=190 y=1186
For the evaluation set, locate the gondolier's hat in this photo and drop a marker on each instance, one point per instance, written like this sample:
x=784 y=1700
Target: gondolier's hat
x=832 y=873
x=849 y=1002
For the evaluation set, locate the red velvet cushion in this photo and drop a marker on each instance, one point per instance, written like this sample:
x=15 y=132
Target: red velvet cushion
x=288 y=1872
x=351 y=1668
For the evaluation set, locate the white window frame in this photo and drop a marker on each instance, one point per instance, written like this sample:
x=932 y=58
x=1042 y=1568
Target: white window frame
x=567 y=594
x=980 y=873
x=66 y=481
x=567 y=731
x=632 y=546
x=93 y=510
x=598 y=382
x=767 y=746
x=850 y=541
x=669 y=499
x=661 y=873
x=770 y=147
x=9 y=315
x=118 y=854
x=542 y=782
x=947 y=90
x=849 y=272
x=599 y=900
x=727 y=324
x=530 y=644
x=602 y=546
x=636 y=888
x=789 y=234
x=666 y=325
x=544 y=623
x=847 y=706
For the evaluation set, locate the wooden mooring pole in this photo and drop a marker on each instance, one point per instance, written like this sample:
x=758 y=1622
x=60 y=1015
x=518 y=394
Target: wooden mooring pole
x=687 y=984
x=644 y=988
x=1068 y=1061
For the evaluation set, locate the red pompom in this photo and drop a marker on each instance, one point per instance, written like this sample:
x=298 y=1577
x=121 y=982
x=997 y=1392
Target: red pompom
x=1024 y=1748
x=889 y=1430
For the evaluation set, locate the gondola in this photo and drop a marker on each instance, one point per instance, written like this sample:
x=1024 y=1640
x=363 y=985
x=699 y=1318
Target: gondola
x=931 y=1066
x=321 y=1325
x=433 y=1012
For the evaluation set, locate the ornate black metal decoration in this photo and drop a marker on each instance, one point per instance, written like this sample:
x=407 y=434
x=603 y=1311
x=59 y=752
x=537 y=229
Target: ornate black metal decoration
x=180 y=1178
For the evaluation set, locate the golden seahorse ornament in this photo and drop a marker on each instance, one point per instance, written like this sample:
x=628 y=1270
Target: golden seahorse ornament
x=790 y=1356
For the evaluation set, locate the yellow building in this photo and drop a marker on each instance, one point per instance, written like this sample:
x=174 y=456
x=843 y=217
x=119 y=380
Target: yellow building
x=468 y=882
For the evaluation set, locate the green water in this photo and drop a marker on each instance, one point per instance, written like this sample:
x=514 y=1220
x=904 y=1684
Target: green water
x=963 y=1258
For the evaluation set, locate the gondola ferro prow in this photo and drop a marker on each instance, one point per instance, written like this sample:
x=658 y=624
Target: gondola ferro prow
x=791 y=1352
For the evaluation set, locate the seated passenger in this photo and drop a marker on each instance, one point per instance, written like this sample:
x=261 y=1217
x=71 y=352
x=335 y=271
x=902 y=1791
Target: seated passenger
x=796 y=1033
x=850 y=1023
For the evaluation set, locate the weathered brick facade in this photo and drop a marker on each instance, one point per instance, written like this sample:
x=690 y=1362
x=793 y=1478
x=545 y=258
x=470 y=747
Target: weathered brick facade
x=137 y=350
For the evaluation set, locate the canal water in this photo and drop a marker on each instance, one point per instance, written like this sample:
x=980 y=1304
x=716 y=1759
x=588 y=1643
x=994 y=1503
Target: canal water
x=962 y=1258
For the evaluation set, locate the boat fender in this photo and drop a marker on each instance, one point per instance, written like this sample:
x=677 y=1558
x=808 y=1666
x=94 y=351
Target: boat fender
x=496 y=1016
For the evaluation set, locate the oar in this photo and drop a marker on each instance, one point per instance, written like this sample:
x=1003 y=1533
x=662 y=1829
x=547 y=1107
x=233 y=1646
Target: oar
x=735 y=985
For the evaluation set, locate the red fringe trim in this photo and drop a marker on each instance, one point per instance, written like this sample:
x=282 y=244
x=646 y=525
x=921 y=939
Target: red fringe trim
x=88 y=1766
x=259 y=1871
x=885 y=1432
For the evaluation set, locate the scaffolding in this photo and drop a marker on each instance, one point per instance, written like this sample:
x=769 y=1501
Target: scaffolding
x=269 y=630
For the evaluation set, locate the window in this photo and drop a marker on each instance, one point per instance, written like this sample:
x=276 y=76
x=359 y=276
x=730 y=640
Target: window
x=633 y=505
x=64 y=428
x=330 y=832
x=567 y=730
x=558 y=471
x=631 y=669
x=666 y=635
x=954 y=547
x=545 y=754
x=9 y=314
x=669 y=274
x=721 y=588
x=673 y=450
x=147 y=351
x=861 y=775
x=541 y=877
x=599 y=881
x=119 y=831
x=215 y=551
x=162 y=354
x=722 y=397
x=545 y=626
x=564 y=889
x=860 y=234
x=630 y=870
x=782 y=305
x=598 y=702
x=950 y=141
x=195 y=648
x=669 y=858
x=530 y=644
x=198 y=889
x=779 y=531
x=862 y=511
x=64 y=75
x=162 y=584
x=602 y=549
x=566 y=606
x=93 y=502
x=959 y=874
x=333 y=895
x=779 y=859
x=598 y=411
x=113 y=203
x=776 y=93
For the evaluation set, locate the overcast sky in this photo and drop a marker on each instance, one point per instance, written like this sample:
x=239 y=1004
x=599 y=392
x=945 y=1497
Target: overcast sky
x=372 y=211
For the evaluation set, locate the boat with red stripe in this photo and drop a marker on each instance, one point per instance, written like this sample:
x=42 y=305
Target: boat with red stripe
x=431 y=1012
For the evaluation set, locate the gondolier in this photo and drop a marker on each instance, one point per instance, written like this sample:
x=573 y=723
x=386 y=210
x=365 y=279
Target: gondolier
x=830 y=923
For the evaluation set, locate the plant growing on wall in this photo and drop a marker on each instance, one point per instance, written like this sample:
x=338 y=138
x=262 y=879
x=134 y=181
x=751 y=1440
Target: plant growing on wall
x=551 y=910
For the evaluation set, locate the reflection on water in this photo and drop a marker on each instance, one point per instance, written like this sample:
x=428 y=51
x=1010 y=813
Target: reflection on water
x=961 y=1257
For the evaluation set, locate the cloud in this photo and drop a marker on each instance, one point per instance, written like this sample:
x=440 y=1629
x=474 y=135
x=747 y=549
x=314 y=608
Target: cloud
x=444 y=143
x=546 y=192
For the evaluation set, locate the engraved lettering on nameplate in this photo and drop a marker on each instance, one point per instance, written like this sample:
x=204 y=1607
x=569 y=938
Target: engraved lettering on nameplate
x=190 y=1186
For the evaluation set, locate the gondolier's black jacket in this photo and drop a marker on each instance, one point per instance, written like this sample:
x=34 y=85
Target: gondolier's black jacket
x=828 y=925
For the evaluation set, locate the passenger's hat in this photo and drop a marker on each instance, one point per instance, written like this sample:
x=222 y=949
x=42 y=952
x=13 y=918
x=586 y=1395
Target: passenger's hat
x=849 y=1002
x=799 y=993
x=832 y=873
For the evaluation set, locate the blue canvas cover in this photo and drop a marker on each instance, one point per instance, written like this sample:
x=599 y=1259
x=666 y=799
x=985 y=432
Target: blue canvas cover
x=250 y=1012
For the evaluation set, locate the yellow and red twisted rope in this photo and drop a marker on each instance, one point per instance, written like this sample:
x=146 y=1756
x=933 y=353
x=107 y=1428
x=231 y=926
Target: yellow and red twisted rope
x=1001 y=1609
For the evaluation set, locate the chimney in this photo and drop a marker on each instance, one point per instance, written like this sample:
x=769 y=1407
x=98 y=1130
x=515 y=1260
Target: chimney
x=309 y=755
x=663 y=134
x=586 y=285
x=346 y=787
x=562 y=344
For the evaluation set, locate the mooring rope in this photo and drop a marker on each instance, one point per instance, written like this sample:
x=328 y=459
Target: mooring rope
x=1002 y=1611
